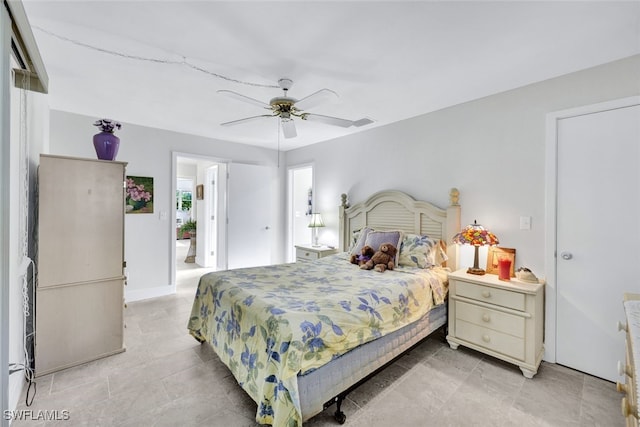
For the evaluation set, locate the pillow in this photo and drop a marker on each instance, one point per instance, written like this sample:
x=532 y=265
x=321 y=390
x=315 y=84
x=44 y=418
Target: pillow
x=441 y=254
x=420 y=251
x=376 y=238
x=357 y=240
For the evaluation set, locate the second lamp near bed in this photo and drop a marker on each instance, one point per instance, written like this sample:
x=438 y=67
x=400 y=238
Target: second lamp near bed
x=475 y=235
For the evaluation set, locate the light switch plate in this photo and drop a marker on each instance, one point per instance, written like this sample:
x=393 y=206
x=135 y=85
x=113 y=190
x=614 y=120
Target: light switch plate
x=525 y=223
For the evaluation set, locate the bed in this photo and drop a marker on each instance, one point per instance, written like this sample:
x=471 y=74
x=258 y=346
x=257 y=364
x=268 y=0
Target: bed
x=298 y=337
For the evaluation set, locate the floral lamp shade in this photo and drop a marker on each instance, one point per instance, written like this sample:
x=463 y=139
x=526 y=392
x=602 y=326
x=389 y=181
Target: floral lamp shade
x=475 y=235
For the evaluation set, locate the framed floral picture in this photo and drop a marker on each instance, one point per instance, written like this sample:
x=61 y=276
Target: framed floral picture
x=494 y=254
x=139 y=195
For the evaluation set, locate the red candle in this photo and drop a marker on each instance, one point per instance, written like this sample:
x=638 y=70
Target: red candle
x=504 y=269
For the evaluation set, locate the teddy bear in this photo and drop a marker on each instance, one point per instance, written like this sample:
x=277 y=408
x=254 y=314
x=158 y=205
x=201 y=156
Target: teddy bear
x=382 y=259
x=365 y=255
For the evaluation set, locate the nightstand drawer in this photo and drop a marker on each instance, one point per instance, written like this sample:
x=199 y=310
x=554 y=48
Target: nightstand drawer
x=492 y=319
x=492 y=340
x=304 y=255
x=491 y=295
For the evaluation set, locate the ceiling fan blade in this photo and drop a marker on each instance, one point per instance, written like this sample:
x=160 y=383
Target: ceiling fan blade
x=240 y=97
x=288 y=128
x=245 y=120
x=335 y=121
x=362 y=122
x=316 y=98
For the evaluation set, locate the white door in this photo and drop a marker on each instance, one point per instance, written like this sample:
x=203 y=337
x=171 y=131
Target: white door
x=249 y=216
x=598 y=238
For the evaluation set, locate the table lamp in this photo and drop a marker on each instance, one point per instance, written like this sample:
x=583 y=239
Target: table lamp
x=475 y=235
x=314 y=224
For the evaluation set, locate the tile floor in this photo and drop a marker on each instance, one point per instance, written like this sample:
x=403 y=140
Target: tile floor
x=165 y=378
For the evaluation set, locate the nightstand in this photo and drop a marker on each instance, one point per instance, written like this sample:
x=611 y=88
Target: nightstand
x=309 y=253
x=503 y=319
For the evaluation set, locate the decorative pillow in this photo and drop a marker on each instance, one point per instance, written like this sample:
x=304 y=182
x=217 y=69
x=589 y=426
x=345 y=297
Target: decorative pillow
x=376 y=238
x=420 y=251
x=441 y=254
x=357 y=240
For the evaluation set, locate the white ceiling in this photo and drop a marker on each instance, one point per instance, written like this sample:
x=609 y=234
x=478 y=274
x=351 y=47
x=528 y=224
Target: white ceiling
x=388 y=61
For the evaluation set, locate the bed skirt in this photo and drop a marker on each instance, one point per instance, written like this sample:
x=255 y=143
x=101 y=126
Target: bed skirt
x=321 y=385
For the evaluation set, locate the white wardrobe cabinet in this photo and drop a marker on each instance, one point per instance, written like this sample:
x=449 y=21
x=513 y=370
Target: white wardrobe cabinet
x=79 y=291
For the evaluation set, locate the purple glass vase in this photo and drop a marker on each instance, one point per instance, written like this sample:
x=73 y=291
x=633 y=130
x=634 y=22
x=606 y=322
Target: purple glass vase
x=106 y=145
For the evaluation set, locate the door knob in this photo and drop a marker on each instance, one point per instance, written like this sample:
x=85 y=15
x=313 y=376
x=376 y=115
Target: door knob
x=566 y=255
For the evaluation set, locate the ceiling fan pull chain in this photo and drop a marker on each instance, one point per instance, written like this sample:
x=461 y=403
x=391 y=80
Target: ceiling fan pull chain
x=278 y=132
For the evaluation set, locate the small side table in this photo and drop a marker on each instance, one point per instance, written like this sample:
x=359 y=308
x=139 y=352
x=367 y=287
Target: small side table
x=501 y=319
x=310 y=253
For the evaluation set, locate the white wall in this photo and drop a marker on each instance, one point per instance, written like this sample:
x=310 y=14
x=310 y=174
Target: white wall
x=148 y=151
x=492 y=149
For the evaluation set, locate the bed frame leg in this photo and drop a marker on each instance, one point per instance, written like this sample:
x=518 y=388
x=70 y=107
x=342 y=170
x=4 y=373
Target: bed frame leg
x=339 y=416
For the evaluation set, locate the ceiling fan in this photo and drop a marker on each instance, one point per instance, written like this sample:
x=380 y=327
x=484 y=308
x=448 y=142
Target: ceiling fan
x=286 y=108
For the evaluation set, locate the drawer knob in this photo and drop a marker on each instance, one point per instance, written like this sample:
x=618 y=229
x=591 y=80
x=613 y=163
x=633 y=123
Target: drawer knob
x=486 y=294
x=306 y=254
x=628 y=409
x=622 y=388
x=486 y=338
x=624 y=369
x=486 y=317
x=622 y=326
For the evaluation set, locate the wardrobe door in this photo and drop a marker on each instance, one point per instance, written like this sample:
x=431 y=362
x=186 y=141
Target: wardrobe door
x=81 y=220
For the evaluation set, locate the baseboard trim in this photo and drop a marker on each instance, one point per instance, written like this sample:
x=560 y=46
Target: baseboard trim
x=142 y=294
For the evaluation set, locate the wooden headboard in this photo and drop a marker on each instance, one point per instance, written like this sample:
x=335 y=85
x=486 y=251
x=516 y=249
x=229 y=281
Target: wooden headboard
x=395 y=210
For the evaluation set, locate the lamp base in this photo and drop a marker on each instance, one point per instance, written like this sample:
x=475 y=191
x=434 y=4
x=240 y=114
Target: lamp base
x=476 y=271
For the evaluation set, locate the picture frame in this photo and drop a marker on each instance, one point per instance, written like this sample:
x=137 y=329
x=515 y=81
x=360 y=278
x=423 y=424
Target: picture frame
x=199 y=192
x=494 y=254
x=139 y=195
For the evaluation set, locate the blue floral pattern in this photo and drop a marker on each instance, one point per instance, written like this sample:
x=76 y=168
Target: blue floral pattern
x=417 y=251
x=269 y=324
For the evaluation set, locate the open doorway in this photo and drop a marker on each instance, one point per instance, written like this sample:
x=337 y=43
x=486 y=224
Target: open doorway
x=199 y=216
x=231 y=204
x=300 y=206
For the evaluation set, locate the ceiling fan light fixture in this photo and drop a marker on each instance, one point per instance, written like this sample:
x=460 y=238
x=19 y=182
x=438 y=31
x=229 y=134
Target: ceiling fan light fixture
x=285 y=83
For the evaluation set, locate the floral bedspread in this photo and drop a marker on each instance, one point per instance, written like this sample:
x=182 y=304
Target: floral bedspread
x=268 y=324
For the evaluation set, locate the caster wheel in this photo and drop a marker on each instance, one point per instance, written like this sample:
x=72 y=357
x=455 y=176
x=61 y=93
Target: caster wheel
x=340 y=417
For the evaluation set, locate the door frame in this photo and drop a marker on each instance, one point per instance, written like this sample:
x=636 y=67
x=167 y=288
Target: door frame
x=172 y=218
x=5 y=224
x=551 y=180
x=290 y=253
x=211 y=209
